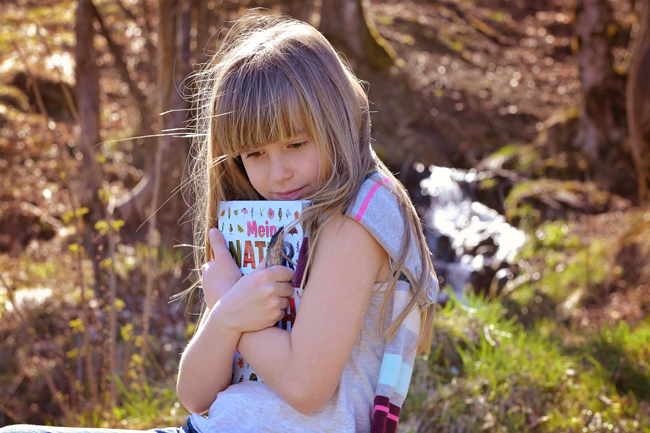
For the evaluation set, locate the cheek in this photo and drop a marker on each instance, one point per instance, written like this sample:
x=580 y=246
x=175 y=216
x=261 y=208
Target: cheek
x=316 y=169
x=254 y=174
x=311 y=167
x=322 y=171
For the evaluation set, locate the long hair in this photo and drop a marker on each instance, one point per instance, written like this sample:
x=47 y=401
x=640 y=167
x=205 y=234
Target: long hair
x=272 y=79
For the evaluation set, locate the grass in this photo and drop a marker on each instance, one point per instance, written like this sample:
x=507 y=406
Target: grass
x=143 y=406
x=622 y=354
x=489 y=373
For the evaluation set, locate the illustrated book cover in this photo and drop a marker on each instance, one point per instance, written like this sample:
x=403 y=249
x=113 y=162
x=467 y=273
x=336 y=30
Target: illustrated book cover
x=247 y=227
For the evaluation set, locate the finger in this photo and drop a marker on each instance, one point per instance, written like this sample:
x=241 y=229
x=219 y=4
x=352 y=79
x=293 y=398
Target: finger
x=284 y=303
x=217 y=241
x=281 y=273
x=286 y=291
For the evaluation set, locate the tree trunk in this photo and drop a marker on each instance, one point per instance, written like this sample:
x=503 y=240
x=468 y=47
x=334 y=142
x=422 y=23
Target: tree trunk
x=599 y=123
x=638 y=98
x=174 y=61
x=171 y=153
x=87 y=76
x=299 y=9
x=344 y=24
x=207 y=21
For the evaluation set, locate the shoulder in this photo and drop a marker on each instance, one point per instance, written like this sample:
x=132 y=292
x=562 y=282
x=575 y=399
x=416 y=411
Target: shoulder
x=387 y=219
x=379 y=211
x=347 y=238
x=376 y=193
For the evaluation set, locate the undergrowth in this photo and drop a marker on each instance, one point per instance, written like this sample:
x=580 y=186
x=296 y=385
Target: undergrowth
x=487 y=372
x=142 y=406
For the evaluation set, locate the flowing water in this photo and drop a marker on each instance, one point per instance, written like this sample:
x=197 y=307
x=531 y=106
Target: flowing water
x=471 y=243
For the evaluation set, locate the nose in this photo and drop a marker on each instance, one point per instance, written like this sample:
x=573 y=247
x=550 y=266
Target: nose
x=280 y=169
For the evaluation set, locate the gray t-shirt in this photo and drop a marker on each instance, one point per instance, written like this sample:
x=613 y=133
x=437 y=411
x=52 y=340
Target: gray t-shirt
x=253 y=407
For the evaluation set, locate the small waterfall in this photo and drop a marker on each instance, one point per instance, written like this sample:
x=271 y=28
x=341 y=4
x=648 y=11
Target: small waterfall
x=470 y=242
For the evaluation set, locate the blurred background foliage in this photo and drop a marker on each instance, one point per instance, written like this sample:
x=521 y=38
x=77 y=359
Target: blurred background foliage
x=544 y=104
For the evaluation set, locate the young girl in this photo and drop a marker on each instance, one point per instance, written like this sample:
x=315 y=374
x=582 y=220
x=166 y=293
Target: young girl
x=285 y=119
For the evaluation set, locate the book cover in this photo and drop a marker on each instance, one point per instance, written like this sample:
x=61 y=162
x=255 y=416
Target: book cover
x=247 y=227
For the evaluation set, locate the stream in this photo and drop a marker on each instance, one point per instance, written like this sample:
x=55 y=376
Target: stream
x=471 y=244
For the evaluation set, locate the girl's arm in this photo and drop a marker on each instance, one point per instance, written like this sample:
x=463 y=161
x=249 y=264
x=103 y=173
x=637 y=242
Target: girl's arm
x=257 y=301
x=218 y=276
x=304 y=366
x=200 y=380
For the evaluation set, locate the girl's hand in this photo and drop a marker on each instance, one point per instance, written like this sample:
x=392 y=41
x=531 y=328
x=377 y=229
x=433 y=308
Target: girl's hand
x=220 y=274
x=258 y=300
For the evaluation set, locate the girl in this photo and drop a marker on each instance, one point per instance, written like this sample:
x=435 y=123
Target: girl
x=283 y=118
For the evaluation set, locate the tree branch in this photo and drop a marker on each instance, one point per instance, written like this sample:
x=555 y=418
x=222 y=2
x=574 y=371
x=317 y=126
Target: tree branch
x=118 y=55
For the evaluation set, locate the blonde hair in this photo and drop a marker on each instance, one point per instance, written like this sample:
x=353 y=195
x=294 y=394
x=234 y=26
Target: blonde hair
x=272 y=79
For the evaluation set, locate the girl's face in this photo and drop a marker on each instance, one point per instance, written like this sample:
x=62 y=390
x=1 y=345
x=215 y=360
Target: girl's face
x=284 y=170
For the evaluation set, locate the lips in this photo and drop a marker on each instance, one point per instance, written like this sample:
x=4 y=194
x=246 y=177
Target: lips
x=289 y=195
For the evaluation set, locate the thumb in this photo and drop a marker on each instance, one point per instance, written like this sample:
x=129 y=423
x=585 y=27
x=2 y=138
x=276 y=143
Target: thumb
x=281 y=273
x=217 y=241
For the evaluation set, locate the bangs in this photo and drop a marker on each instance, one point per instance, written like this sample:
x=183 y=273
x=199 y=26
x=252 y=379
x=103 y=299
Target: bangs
x=256 y=106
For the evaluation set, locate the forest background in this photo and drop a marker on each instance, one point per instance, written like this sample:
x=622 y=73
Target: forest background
x=548 y=102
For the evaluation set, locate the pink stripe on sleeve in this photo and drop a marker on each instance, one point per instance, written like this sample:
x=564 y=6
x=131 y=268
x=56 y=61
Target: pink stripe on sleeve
x=393 y=417
x=381 y=408
x=366 y=201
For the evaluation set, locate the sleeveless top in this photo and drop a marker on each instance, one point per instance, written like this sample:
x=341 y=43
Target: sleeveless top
x=250 y=406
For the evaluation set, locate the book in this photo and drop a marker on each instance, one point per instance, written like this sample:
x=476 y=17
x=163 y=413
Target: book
x=248 y=226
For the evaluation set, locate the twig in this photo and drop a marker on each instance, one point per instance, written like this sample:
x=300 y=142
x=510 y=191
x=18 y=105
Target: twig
x=118 y=55
x=151 y=48
x=10 y=413
x=587 y=269
x=128 y=12
x=479 y=25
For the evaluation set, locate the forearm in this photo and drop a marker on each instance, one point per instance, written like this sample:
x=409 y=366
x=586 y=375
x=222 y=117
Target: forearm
x=217 y=290
x=288 y=372
x=199 y=380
